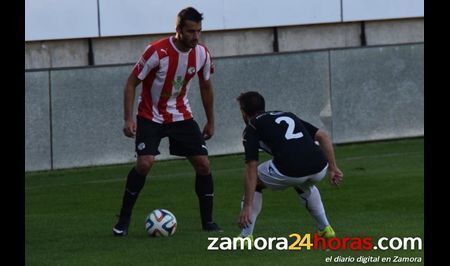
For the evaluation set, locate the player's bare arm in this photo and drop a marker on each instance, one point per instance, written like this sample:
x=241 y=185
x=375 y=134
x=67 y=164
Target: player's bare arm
x=206 y=92
x=129 y=128
x=250 y=186
x=335 y=174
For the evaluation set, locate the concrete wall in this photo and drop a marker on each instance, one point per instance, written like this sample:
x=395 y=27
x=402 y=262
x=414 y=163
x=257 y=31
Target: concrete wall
x=314 y=37
x=37 y=121
x=126 y=50
x=87 y=116
x=377 y=93
x=395 y=31
x=52 y=54
x=74 y=116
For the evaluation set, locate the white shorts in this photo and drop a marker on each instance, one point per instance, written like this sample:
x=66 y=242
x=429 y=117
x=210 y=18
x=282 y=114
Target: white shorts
x=274 y=180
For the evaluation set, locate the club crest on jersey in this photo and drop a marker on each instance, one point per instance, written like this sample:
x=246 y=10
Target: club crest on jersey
x=191 y=71
x=178 y=83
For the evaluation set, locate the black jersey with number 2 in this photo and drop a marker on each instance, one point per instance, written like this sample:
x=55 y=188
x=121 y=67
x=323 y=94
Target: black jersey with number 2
x=288 y=139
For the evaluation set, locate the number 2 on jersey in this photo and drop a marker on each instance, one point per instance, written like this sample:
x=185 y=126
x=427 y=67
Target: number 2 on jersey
x=290 y=130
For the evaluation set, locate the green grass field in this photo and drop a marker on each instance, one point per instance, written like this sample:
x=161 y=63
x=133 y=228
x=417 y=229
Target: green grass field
x=69 y=213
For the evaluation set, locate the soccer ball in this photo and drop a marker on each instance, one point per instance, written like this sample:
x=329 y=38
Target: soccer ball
x=160 y=222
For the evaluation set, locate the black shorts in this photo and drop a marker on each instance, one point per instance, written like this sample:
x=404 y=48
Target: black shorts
x=185 y=137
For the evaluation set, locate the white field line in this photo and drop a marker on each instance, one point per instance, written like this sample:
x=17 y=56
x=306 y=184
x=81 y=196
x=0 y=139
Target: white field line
x=122 y=179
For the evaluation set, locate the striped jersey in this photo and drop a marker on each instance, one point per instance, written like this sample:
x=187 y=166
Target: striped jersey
x=166 y=75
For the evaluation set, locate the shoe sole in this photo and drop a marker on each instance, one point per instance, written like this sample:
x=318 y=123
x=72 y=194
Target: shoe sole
x=119 y=232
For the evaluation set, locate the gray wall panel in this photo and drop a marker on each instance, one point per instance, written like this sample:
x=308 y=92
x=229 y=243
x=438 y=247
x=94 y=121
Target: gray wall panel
x=377 y=93
x=88 y=117
x=37 y=121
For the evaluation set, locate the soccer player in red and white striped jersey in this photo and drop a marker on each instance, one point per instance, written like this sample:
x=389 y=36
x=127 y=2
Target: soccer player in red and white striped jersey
x=165 y=70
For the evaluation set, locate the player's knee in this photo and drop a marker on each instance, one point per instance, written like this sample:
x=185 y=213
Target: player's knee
x=202 y=167
x=143 y=166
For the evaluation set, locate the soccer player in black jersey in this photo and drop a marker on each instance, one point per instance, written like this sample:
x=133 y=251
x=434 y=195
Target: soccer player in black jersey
x=297 y=162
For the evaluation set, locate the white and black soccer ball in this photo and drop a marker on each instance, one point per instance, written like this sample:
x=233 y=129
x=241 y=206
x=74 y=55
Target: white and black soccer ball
x=160 y=222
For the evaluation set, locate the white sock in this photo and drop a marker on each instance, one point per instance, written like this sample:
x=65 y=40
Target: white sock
x=313 y=202
x=256 y=209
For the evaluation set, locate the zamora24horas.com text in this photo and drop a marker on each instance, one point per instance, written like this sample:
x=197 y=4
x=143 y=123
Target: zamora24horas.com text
x=297 y=242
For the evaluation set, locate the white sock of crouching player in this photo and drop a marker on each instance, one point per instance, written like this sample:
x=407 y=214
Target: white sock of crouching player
x=311 y=199
x=256 y=209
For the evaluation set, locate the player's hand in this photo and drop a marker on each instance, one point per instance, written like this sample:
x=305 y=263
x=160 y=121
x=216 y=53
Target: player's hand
x=336 y=176
x=129 y=128
x=244 y=217
x=208 y=131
